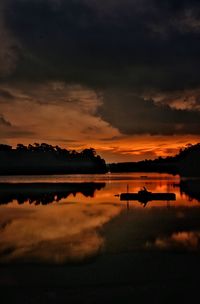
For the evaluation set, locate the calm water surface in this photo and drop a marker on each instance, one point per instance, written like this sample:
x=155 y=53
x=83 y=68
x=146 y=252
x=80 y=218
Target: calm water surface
x=72 y=218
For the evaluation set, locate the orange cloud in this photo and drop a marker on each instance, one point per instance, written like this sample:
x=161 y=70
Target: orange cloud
x=67 y=115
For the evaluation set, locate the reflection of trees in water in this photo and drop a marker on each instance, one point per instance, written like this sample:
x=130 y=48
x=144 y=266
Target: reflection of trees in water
x=45 y=193
x=191 y=188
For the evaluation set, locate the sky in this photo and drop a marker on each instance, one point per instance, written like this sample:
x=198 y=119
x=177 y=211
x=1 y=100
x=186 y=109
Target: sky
x=121 y=76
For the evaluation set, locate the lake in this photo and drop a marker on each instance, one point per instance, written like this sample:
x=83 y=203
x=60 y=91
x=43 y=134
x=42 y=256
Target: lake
x=72 y=233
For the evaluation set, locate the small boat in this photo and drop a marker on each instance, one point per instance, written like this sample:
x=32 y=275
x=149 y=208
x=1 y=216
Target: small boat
x=145 y=196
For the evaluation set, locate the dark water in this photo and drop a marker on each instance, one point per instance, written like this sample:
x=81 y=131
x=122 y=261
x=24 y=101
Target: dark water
x=72 y=231
x=62 y=219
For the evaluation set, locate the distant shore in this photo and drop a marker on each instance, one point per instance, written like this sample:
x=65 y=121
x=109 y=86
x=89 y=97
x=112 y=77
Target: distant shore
x=44 y=159
x=185 y=163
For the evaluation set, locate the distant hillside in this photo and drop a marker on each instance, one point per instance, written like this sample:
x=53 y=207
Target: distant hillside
x=47 y=159
x=186 y=163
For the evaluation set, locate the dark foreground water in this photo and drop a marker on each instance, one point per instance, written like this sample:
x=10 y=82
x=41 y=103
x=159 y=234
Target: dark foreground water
x=68 y=239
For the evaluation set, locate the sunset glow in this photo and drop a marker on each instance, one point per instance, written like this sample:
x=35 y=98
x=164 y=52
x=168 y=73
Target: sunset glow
x=130 y=97
x=99 y=151
x=69 y=116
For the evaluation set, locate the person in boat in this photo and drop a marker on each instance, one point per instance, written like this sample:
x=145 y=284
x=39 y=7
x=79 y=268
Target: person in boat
x=143 y=191
x=143 y=196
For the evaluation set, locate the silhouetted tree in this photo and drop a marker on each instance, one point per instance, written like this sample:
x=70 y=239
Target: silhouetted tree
x=21 y=147
x=5 y=148
x=47 y=159
x=89 y=153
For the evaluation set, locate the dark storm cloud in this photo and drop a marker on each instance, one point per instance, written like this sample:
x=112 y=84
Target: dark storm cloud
x=134 y=115
x=135 y=43
x=9 y=46
x=5 y=94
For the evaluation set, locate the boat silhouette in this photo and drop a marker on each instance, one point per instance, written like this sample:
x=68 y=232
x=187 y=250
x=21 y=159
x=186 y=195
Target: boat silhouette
x=145 y=196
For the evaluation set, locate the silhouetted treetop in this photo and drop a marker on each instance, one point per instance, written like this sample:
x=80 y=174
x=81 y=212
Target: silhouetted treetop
x=188 y=150
x=46 y=148
x=5 y=148
x=47 y=159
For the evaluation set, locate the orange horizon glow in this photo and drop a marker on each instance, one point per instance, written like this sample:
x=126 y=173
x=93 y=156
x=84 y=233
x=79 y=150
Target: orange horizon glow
x=68 y=116
x=126 y=148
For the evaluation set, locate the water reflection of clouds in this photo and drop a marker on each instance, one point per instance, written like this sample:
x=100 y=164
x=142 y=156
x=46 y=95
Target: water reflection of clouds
x=183 y=240
x=78 y=227
x=59 y=234
x=177 y=228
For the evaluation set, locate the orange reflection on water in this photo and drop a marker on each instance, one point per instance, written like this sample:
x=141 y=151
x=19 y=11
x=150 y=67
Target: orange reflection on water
x=189 y=240
x=78 y=227
x=56 y=233
x=117 y=183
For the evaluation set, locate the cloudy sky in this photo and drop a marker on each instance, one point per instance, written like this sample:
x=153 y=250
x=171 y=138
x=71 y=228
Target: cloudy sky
x=121 y=76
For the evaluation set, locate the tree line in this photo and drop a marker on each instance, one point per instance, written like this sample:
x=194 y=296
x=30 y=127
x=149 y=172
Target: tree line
x=47 y=159
x=186 y=163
